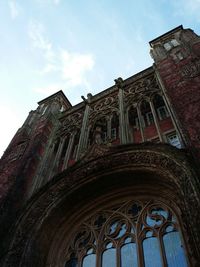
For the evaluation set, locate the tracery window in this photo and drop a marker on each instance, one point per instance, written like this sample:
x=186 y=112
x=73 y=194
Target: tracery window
x=134 y=233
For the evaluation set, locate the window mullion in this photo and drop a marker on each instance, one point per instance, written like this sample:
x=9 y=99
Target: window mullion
x=162 y=251
x=140 y=252
x=118 y=255
x=99 y=254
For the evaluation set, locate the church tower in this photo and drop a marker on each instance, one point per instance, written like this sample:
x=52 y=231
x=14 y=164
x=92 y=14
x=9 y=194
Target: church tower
x=177 y=63
x=23 y=159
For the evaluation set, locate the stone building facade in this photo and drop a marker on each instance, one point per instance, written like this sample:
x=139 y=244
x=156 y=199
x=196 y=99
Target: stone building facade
x=113 y=180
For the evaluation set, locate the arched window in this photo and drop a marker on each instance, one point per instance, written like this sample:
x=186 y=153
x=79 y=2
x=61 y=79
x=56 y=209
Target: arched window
x=146 y=114
x=160 y=107
x=134 y=233
x=133 y=118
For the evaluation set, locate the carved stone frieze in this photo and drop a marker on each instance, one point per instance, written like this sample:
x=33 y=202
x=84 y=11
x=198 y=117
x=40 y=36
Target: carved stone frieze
x=104 y=107
x=191 y=69
x=137 y=91
x=71 y=123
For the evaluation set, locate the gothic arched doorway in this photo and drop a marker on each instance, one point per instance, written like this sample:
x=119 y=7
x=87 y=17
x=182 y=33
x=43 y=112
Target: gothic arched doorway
x=137 y=197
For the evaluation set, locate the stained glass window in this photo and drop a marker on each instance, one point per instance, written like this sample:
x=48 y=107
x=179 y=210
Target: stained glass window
x=132 y=234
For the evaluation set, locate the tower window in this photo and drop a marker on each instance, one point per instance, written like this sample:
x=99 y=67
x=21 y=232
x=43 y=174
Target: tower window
x=167 y=46
x=170 y=44
x=174 y=42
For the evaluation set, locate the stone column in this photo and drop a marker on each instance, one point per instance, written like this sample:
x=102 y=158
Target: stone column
x=156 y=121
x=128 y=128
x=122 y=119
x=85 y=143
x=68 y=151
x=84 y=125
x=141 y=123
x=109 y=122
x=57 y=157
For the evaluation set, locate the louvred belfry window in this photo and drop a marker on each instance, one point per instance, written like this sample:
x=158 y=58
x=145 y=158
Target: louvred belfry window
x=134 y=234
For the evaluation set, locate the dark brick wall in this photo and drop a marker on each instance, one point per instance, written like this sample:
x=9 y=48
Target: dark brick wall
x=184 y=96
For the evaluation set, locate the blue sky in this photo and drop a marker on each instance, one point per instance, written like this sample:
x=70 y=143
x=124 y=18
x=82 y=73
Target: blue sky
x=78 y=46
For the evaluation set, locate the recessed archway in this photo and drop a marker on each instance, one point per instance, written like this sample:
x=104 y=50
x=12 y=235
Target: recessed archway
x=149 y=171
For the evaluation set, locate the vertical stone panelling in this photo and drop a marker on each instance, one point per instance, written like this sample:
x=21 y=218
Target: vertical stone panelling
x=20 y=162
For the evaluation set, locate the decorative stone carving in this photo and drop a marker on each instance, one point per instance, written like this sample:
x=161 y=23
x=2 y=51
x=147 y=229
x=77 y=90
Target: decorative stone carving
x=119 y=82
x=18 y=151
x=71 y=123
x=191 y=69
x=89 y=98
x=103 y=107
x=137 y=91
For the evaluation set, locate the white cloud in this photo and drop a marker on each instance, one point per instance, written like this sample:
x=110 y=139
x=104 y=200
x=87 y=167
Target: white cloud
x=36 y=33
x=48 y=68
x=71 y=67
x=47 y=2
x=193 y=5
x=56 y=2
x=74 y=67
x=189 y=7
x=14 y=9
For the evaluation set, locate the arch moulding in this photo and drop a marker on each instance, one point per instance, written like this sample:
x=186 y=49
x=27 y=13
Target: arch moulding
x=35 y=233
